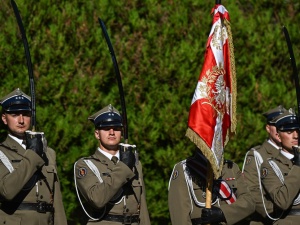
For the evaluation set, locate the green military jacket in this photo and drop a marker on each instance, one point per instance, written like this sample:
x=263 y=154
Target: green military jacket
x=251 y=169
x=284 y=193
x=105 y=195
x=17 y=186
x=183 y=207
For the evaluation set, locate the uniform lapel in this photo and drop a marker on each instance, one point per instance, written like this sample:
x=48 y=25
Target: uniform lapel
x=11 y=144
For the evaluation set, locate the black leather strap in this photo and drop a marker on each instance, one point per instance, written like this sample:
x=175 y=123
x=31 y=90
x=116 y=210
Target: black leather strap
x=295 y=212
x=196 y=221
x=122 y=218
x=41 y=207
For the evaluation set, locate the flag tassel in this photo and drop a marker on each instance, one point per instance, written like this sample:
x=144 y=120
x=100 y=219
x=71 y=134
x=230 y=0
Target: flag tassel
x=194 y=137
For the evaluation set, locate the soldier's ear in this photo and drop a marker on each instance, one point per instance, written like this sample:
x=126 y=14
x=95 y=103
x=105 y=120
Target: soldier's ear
x=278 y=136
x=4 y=118
x=97 y=134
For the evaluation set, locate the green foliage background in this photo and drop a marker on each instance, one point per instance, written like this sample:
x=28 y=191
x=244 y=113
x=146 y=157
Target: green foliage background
x=160 y=48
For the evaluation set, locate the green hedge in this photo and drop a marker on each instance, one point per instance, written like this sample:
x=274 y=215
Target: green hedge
x=160 y=48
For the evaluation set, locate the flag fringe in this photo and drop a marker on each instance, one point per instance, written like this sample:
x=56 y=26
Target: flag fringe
x=233 y=78
x=206 y=151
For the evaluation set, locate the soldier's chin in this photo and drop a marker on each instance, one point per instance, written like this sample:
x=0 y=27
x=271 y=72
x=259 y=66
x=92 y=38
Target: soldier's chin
x=111 y=147
x=18 y=134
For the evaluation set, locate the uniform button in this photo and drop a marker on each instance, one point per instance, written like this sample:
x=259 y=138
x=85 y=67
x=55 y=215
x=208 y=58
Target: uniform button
x=41 y=182
x=41 y=197
x=127 y=210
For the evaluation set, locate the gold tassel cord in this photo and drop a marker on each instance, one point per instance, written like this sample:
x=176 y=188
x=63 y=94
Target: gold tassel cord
x=206 y=151
x=232 y=77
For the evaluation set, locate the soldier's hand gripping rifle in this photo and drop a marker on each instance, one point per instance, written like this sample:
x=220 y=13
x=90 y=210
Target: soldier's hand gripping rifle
x=124 y=156
x=295 y=72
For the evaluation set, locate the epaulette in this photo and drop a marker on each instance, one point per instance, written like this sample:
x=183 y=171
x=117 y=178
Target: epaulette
x=256 y=147
x=229 y=163
x=84 y=158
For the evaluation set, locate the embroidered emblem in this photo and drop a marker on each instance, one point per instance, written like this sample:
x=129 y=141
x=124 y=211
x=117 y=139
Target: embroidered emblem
x=264 y=172
x=212 y=87
x=82 y=172
x=248 y=160
x=175 y=174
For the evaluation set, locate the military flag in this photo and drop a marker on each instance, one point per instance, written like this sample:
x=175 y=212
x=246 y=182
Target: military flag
x=212 y=116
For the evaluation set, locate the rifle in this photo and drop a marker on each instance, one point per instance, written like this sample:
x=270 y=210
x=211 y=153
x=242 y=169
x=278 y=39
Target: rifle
x=29 y=64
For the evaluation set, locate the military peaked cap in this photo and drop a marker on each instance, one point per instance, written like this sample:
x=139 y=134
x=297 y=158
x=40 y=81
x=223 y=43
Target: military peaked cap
x=16 y=101
x=107 y=117
x=287 y=121
x=273 y=113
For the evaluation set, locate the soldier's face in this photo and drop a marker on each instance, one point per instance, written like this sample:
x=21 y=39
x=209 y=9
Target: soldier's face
x=109 y=138
x=288 y=139
x=17 y=122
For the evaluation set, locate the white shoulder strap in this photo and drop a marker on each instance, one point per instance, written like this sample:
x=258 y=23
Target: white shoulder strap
x=281 y=178
x=276 y=170
x=189 y=181
x=182 y=163
x=6 y=162
x=297 y=200
x=95 y=171
x=258 y=161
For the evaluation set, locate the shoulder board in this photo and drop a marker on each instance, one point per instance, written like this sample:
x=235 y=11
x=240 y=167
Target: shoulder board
x=272 y=159
x=256 y=147
x=83 y=158
x=181 y=162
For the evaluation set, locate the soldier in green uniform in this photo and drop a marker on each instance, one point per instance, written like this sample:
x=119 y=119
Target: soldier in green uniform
x=281 y=174
x=29 y=185
x=251 y=168
x=187 y=193
x=109 y=183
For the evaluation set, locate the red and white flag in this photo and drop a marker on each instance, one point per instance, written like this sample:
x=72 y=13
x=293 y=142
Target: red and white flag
x=212 y=116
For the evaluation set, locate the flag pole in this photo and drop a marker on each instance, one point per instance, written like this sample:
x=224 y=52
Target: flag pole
x=209 y=184
x=212 y=119
x=210 y=175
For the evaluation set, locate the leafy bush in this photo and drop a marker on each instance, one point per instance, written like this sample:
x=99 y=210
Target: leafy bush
x=160 y=48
